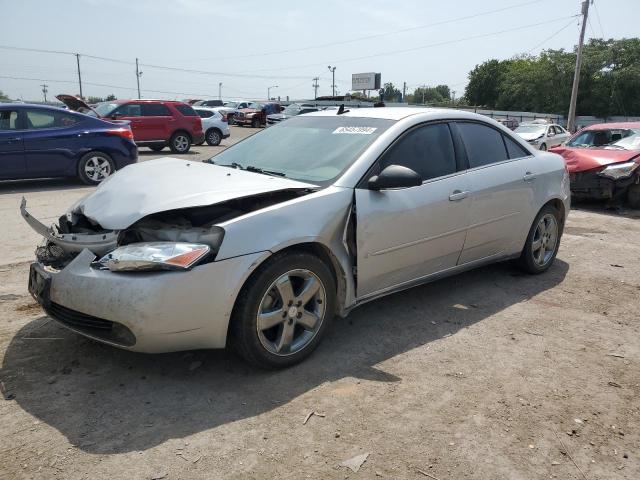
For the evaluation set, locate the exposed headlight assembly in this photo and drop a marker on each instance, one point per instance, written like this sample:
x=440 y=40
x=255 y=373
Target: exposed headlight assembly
x=154 y=256
x=619 y=170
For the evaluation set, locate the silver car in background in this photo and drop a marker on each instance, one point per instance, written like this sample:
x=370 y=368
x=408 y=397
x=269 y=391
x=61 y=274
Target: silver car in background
x=542 y=135
x=303 y=221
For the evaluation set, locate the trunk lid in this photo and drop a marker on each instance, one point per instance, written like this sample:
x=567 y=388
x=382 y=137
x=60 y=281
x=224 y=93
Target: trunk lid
x=76 y=104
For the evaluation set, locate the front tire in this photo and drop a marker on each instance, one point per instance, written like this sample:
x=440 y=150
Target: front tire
x=543 y=241
x=94 y=167
x=255 y=123
x=213 y=137
x=180 y=142
x=283 y=310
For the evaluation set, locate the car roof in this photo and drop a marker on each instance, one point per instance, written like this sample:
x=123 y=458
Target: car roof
x=31 y=105
x=144 y=100
x=611 y=126
x=203 y=107
x=396 y=113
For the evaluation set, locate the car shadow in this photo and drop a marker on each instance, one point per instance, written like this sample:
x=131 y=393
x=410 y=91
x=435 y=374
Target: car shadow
x=41 y=185
x=106 y=400
x=598 y=206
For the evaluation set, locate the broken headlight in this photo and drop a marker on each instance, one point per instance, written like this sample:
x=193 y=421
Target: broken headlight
x=619 y=170
x=154 y=256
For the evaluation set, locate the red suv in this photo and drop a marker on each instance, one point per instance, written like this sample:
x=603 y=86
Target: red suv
x=155 y=123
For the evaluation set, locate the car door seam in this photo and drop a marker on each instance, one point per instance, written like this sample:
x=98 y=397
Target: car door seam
x=416 y=242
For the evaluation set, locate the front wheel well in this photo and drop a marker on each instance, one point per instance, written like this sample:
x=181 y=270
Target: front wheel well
x=182 y=131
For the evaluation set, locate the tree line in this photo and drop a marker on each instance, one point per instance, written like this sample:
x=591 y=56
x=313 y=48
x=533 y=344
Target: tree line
x=609 y=80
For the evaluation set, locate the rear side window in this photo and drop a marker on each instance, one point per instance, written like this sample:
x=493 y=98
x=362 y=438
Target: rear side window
x=128 y=110
x=427 y=150
x=8 y=120
x=37 y=119
x=204 y=113
x=513 y=149
x=484 y=145
x=186 y=110
x=155 y=110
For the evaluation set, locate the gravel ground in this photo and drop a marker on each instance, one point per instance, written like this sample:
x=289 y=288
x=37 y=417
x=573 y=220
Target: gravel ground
x=491 y=374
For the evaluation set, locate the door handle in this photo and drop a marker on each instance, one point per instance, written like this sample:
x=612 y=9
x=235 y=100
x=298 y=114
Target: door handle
x=529 y=177
x=14 y=139
x=458 y=195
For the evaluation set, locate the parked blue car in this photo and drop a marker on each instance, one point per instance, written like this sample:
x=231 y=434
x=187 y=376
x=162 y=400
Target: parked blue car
x=39 y=141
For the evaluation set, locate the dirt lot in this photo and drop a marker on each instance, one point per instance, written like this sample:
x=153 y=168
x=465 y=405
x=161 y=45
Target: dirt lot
x=488 y=375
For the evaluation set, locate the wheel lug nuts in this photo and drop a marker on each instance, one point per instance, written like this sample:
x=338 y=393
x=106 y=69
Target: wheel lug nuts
x=291 y=321
x=290 y=302
x=319 y=300
x=284 y=314
x=299 y=315
x=299 y=304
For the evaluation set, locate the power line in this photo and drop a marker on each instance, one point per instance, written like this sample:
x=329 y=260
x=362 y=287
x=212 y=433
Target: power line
x=595 y=7
x=376 y=35
x=421 y=47
x=551 y=36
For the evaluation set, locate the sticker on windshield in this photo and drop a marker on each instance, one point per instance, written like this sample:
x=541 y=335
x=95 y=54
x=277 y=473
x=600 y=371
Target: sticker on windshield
x=355 y=130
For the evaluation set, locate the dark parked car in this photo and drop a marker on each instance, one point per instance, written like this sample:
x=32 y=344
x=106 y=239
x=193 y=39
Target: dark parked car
x=38 y=141
x=290 y=111
x=155 y=123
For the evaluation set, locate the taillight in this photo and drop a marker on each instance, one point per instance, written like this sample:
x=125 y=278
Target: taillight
x=121 y=132
x=224 y=117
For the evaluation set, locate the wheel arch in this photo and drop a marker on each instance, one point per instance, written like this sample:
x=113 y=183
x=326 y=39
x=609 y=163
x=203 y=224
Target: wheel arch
x=182 y=130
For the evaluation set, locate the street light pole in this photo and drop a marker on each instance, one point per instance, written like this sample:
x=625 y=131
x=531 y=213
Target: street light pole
x=269 y=91
x=138 y=75
x=79 y=76
x=571 y=120
x=219 y=90
x=333 y=79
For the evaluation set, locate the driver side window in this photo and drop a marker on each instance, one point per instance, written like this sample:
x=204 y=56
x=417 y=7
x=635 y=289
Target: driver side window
x=427 y=150
x=128 y=110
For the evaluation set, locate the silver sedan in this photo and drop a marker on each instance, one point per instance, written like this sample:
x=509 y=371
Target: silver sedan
x=263 y=245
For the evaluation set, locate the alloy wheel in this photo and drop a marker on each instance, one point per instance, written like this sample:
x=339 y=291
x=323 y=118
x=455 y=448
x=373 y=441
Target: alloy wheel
x=97 y=168
x=291 y=312
x=545 y=239
x=181 y=143
x=214 y=137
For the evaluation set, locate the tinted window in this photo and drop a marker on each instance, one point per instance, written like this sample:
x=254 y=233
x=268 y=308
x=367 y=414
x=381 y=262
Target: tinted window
x=186 y=110
x=484 y=145
x=128 y=110
x=513 y=149
x=46 y=119
x=427 y=150
x=155 y=110
x=204 y=113
x=8 y=120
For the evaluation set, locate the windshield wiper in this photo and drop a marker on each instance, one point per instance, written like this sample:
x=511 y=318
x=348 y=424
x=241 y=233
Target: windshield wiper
x=251 y=168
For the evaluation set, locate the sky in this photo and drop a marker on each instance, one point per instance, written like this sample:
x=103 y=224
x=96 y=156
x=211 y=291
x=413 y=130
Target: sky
x=251 y=45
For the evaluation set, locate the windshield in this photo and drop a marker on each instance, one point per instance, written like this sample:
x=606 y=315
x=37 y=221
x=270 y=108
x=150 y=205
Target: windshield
x=310 y=149
x=230 y=104
x=632 y=142
x=105 y=108
x=601 y=137
x=256 y=105
x=291 y=110
x=530 y=129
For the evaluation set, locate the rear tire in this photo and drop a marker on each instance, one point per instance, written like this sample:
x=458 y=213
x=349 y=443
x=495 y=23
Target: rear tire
x=94 y=167
x=180 y=142
x=633 y=196
x=283 y=310
x=213 y=137
x=543 y=241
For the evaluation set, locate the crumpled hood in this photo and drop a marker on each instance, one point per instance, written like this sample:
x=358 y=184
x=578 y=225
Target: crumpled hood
x=583 y=159
x=168 y=183
x=529 y=136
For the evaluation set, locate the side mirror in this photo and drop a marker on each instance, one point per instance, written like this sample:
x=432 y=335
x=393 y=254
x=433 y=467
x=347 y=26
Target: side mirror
x=394 y=176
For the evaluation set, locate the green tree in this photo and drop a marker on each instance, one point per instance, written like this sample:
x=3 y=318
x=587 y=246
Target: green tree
x=110 y=98
x=3 y=96
x=484 y=83
x=391 y=93
x=430 y=95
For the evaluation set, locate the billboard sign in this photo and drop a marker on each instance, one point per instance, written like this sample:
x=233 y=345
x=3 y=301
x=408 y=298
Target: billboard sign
x=365 y=81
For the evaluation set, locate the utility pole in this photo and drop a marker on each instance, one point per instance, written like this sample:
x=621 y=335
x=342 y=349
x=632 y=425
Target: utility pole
x=424 y=89
x=269 y=91
x=333 y=81
x=571 y=121
x=404 y=90
x=220 y=91
x=79 y=76
x=138 y=75
x=315 y=87
x=44 y=91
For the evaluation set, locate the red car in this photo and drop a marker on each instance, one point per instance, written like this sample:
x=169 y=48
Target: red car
x=155 y=123
x=256 y=114
x=604 y=162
